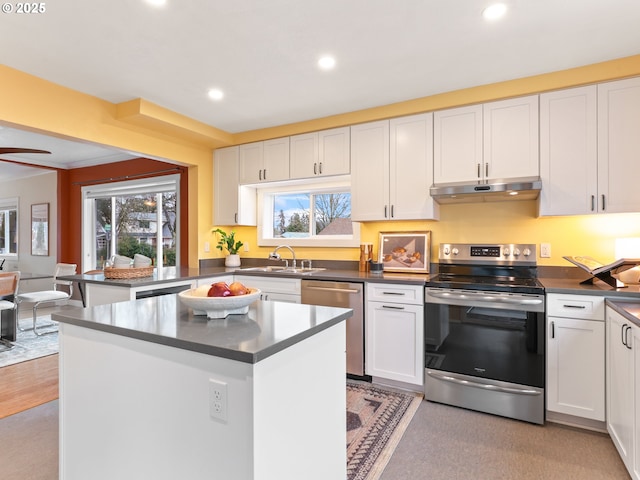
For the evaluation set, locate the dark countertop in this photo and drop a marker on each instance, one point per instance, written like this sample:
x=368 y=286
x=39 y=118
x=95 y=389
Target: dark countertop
x=268 y=327
x=628 y=309
x=173 y=274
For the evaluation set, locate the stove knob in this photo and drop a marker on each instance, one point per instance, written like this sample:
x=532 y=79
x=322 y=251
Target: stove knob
x=455 y=251
x=526 y=252
x=506 y=252
x=446 y=251
x=516 y=252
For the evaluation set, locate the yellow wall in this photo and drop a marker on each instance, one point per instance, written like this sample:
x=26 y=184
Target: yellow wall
x=138 y=126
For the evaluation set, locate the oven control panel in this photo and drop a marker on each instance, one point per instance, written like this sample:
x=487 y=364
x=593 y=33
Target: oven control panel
x=498 y=254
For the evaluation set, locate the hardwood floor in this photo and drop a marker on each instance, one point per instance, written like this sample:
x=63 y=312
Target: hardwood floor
x=28 y=384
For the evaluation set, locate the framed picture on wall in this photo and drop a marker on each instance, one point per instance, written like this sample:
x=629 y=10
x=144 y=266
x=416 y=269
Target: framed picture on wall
x=405 y=251
x=40 y=229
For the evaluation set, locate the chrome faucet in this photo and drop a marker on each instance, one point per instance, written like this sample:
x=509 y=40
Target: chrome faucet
x=276 y=256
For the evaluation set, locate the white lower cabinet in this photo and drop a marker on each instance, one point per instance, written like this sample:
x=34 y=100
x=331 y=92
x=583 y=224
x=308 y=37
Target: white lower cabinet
x=394 y=324
x=274 y=288
x=623 y=389
x=576 y=356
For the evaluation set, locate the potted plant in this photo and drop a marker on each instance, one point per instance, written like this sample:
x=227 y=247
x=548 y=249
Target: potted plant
x=231 y=245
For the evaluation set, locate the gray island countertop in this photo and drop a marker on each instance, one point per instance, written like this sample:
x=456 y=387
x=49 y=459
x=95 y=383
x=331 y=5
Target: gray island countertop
x=268 y=327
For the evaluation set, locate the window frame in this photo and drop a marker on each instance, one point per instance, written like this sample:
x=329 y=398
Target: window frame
x=6 y=205
x=265 y=215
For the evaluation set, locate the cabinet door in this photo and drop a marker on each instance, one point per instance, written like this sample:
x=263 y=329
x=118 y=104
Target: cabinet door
x=635 y=334
x=411 y=168
x=511 y=138
x=251 y=162
x=457 y=144
x=275 y=160
x=225 y=186
x=620 y=411
x=333 y=152
x=618 y=145
x=370 y=171
x=394 y=345
x=568 y=151
x=575 y=367
x=304 y=155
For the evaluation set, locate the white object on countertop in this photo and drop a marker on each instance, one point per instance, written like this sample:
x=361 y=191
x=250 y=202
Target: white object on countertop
x=217 y=307
x=120 y=261
x=628 y=248
x=140 y=261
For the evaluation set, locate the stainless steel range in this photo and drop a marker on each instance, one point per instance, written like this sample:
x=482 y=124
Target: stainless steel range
x=485 y=331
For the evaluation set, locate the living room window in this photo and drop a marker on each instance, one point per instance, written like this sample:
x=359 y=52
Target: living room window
x=136 y=216
x=307 y=215
x=8 y=226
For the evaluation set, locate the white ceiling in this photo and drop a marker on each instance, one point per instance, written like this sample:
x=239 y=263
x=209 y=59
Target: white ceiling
x=263 y=54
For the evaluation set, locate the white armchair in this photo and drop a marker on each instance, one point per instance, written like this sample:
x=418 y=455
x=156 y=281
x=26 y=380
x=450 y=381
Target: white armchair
x=48 y=296
x=9 y=282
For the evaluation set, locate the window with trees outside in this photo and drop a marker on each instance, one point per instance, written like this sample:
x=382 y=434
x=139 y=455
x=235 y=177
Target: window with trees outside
x=318 y=216
x=8 y=226
x=125 y=218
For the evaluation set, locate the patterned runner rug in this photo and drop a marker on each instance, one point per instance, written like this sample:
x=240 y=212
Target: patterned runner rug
x=377 y=417
x=29 y=346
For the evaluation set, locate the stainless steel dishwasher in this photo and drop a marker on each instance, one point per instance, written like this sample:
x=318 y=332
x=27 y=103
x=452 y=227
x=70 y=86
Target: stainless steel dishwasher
x=346 y=295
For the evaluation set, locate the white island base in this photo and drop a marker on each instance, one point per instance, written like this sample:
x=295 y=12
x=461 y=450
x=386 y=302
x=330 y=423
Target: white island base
x=132 y=409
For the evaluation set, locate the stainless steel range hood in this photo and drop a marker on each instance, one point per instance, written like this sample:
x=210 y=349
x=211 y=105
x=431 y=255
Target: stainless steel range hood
x=494 y=191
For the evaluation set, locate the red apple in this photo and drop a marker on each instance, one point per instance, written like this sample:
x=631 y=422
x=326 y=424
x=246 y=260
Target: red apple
x=220 y=289
x=238 y=288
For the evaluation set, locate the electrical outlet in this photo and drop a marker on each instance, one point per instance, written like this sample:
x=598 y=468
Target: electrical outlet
x=207 y=247
x=246 y=246
x=218 y=400
x=545 y=250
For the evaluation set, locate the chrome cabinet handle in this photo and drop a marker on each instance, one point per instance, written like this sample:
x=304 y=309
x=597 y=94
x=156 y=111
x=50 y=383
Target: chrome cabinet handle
x=391 y=211
x=603 y=204
x=264 y=174
x=320 y=168
x=385 y=211
x=553 y=329
x=478 y=170
x=486 y=169
x=393 y=307
x=393 y=293
x=315 y=168
x=573 y=306
x=593 y=202
x=259 y=174
x=235 y=217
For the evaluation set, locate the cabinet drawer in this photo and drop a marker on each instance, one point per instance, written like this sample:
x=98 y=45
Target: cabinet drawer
x=575 y=306
x=271 y=284
x=395 y=293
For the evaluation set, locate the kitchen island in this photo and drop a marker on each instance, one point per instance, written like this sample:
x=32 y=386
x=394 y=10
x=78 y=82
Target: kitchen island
x=148 y=390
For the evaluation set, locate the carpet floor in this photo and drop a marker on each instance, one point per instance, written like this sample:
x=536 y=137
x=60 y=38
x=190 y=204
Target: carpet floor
x=376 y=419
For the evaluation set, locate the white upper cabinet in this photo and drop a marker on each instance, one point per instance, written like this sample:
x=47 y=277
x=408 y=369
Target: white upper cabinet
x=232 y=204
x=266 y=161
x=510 y=135
x=323 y=153
x=568 y=151
x=457 y=144
x=619 y=146
x=589 y=149
x=391 y=165
x=496 y=140
x=410 y=168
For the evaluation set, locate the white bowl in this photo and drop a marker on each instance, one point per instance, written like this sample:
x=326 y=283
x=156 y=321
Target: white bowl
x=217 y=307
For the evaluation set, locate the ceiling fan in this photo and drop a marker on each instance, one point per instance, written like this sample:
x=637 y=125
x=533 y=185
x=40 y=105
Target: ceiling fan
x=5 y=150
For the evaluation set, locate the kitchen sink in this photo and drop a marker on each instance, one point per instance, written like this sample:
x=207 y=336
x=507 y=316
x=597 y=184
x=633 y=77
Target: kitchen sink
x=279 y=269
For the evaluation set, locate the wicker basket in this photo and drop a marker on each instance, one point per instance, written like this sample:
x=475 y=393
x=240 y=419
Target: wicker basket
x=123 y=273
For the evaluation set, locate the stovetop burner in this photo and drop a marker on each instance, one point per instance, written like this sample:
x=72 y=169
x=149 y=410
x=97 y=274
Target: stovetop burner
x=501 y=268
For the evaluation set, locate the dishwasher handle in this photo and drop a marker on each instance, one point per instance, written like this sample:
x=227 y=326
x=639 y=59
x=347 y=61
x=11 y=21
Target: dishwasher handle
x=330 y=289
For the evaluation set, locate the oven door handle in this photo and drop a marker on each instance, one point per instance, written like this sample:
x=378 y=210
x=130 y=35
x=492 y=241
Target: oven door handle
x=486 y=298
x=484 y=386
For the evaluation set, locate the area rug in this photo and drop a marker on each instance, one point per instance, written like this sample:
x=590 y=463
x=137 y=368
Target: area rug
x=29 y=346
x=377 y=418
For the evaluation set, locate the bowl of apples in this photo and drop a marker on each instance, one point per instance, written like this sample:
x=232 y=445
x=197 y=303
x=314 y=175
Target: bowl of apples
x=220 y=300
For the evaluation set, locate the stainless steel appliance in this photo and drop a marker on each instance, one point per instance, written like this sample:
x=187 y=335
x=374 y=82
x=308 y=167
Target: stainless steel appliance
x=346 y=295
x=485 y=331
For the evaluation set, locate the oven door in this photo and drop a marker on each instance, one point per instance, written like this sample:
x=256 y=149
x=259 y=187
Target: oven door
x=485 y=348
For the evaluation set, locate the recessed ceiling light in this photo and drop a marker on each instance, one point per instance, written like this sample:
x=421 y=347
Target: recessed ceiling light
x=216 y=94
x=495 y=11
x=327 y=62
x=157 y=3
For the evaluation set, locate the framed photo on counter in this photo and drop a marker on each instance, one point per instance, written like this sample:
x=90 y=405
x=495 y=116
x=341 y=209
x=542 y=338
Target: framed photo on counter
x=40 y=229
x=405 y=251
